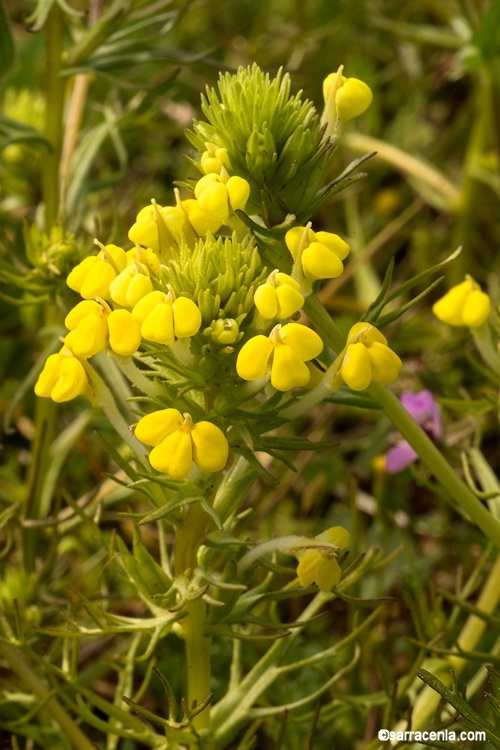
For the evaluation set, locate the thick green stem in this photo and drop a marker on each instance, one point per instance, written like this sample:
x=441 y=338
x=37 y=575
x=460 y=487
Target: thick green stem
x=413 y=433
x=194 y=625
x=30 y=679
x=45 y=409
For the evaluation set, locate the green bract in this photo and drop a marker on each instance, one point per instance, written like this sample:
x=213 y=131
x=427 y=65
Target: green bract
x=272 y=139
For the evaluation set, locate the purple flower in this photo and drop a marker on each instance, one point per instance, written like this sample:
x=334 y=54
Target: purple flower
x=424 y=410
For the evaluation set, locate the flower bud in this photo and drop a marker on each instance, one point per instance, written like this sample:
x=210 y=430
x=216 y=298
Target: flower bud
x=345 y=98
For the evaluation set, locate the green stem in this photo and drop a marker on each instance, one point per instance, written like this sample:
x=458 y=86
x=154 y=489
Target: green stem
x=413 y=433
x=54 y=106
x=30 y=679
x=45 y=409
x=194 y=625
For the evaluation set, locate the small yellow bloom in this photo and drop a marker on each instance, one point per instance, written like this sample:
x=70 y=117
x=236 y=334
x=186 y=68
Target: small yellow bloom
x=213 y=159
x=319 y=565
x=220 y=196
x=464 y=305
x=279 y=297
x=157 y=227
x=200 y=221
x=62 y=378
x=92 y=277
x=94 y=327
x=318 y=255
x=345 y=98
x=288 y=348
x=367 y=359
x=163 y=318
x=131 y=285
x=178 y=442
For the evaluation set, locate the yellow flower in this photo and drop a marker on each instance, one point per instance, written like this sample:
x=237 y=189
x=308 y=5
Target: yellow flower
x=345 y=98
x=319 y=565
x=200 y=221
x=288 y=348
x=220 y=196
x=367 y=359
x=279 y=297
x=92 y=277
x=178 y=442
x=163 y=318
x=157 y=227
x=62 y=378
x=317 y=255
x=464 y=305
x=93 y=327
x=131 y=285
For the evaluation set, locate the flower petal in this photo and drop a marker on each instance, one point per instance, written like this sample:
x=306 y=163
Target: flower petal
x=308 y=567
x=288 y=370
x=253 y=358
x=304 y=341
x=174 y=455
x=210 y=447
x=355 y=369
x=155 y=427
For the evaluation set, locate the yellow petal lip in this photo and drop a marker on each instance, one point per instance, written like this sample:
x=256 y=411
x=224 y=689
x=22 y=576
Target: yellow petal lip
x=155 y=427
x=304 y=341
x=159 y=325
x=289 y=299
x=308 y=567
x=80 y=311
x=352 y=99
x=336 y=535
x=334 y=243
x=210 y=447
x=187 y=318
x=477 y=309
x=145 y=305
x=174 y=455
x=253 y=358
x=328 y=575
x=288 y=370
x=266 y=301
x=319 y=262
x=384 y=363
x=356 y=369
x=124 y=333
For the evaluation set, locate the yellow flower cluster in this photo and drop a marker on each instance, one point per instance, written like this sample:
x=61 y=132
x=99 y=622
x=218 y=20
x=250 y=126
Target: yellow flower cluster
x=464 y=305
x=366 y=359
x=285 y=351
x=178 y=442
